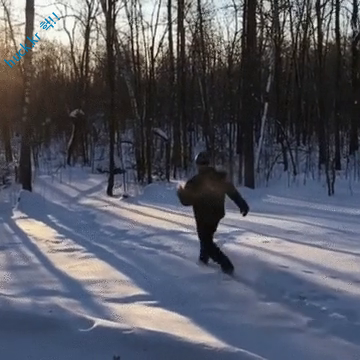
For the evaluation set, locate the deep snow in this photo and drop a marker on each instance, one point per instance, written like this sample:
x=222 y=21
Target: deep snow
x=86 y=277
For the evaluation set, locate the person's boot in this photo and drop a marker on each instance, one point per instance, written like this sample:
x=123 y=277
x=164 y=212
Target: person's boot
x=228 y=269
x=204 y=259
x=226 y=265
x=203 y=256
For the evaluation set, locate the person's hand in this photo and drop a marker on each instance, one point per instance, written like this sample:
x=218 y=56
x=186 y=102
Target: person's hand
x=180 y=191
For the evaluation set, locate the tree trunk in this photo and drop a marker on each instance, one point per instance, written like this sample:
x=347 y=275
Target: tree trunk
x=6 y=136
x=181 y=80
x=354 y=141
x=172 y=118
x=109 y=9
x=25 y=151
x=278 y=79
x=240 y=119
x=249 y=110
x=338 y=99
x=206 y=125
x=320 y=85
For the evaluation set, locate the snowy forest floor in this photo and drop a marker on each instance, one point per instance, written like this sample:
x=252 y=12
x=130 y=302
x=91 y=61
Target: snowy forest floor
x=87 y=277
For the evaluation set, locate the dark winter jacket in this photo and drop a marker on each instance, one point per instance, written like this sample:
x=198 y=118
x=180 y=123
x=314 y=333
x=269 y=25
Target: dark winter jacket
x=206 y=193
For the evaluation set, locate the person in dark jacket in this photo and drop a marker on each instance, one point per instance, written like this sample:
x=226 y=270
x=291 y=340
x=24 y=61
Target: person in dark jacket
x=205 y=192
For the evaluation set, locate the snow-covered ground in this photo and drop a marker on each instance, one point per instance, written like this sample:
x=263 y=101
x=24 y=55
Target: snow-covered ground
x=86 y=277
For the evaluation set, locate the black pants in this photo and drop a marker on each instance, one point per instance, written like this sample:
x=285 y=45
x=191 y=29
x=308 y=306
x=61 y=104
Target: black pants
x=208 y=249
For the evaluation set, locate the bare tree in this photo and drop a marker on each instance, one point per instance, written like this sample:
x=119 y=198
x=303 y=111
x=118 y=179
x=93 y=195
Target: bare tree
x=181 y=126
x=338 y=95
x=354 y=141
x=25 y=150
x=290 y=84
x=171 y=84
x=110 y=12
x=250 y=106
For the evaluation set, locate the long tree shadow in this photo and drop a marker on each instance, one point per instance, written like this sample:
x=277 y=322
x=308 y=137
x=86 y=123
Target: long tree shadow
x=294 y=219
x=311 y=204
x=269 y=230
x=73 y=202
x=164 y=204
x=149 y=272
x=275 y=232
x=327 y=215
x=44 y=337
x=42 y=183
x=87 y=228
x=335 y=274
x=166 y=208
x=73 y=287
x=334 y=312
x=165 y=211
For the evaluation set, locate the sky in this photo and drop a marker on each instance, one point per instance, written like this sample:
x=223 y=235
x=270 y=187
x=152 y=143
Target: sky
x=44 y=8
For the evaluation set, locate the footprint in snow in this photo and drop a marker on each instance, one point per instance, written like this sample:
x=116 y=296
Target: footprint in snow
x=332 y=277
x=314 y=295
x=291 y=232
x=308 y=272
x=284 y=266
x=66 y=250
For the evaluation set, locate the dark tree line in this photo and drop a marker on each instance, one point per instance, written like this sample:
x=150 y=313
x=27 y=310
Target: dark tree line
x=271 y=84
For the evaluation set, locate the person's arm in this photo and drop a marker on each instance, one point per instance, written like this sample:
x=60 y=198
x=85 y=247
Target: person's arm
x=235 y=196
x=187 y=194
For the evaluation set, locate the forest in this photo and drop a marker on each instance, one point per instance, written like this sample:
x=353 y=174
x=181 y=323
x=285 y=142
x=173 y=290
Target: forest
x=266 y=86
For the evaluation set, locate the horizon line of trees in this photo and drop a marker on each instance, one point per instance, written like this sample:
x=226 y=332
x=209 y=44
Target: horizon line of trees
x=279 y=80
